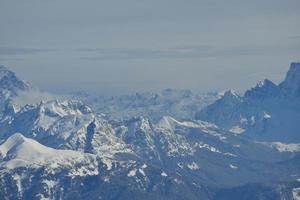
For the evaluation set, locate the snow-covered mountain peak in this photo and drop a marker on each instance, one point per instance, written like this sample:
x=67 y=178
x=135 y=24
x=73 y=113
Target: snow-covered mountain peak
x=65 y=124
x=229 y=94
x=64 y=108
x=170 y=123
x=139 y=125
x=19 y=151
x=19 y=147
x=165 y=122
x=229 y=97
x=10 y=81
x=47 y=113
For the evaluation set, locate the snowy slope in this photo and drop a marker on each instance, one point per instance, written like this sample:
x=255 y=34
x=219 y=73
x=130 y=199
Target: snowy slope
x=30 y=170
x=19 y=151
x=204 y=153
x=66 y=125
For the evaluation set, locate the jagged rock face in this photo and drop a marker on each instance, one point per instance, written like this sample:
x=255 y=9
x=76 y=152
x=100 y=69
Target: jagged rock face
x=265 y=89
x=10 y=83
x=291 y=85
x=10 y=86
x=267 y=112
x=224 y=112
x=139 y=134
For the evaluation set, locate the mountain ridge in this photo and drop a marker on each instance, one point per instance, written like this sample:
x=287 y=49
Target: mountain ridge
x=260 y=111
x=64 y=149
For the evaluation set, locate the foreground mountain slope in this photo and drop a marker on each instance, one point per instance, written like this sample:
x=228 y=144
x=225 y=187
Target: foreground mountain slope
x=267 y=112
x=18 y=151
x=30 y=170
x=65 y=125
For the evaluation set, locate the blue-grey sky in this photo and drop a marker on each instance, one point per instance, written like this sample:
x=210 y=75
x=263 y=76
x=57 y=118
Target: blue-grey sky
x=121 y=46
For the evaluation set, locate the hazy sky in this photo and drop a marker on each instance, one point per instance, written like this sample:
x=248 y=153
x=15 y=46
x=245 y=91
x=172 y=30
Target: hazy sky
x=120 y=46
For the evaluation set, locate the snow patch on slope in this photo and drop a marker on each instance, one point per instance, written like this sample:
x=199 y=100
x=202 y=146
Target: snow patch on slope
x=296 y=194
x=18 y=151
x=284 y=147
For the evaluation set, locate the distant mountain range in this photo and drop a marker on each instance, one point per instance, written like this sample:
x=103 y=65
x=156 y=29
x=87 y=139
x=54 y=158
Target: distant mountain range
x=181 y=104
x=267 y=112
x=172 y=145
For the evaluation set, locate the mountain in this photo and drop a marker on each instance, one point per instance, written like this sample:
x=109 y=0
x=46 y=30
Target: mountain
x=19 y=151
x=291 y=85
x=30 y=170
x=267 y=112
x=10 y=84
x=69 y=124
x=64 y=149
x=263 y=90
x=199 y=150
x=181 y=104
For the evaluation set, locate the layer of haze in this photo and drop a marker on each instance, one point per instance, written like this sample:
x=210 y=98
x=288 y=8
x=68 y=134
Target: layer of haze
x=120 y=46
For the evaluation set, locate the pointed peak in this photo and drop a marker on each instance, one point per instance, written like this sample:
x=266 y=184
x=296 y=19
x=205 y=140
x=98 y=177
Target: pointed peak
x=3 y=68
x=291 y=84
x=229 y=97
x=4 y=71
x=230 y=93
x=265 y=82
x=264 y=85
x=294 y=71
x=167 y=118
x=10 y=81
x=166 y=122
x=264 y=89
x=295 y=65
x=65 y=107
